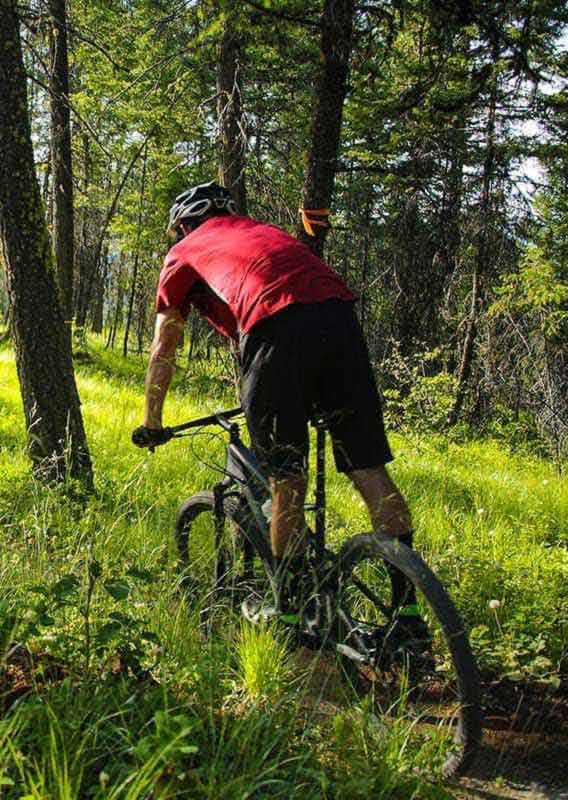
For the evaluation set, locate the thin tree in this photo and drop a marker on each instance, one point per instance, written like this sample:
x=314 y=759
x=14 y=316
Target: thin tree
x=63 y=220
x=483 y=257
x=136 y=263
x=57 y=441
x=88 y=279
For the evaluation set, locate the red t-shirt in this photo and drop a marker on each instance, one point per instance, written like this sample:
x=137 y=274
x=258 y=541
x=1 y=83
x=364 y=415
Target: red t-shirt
x=237 y=271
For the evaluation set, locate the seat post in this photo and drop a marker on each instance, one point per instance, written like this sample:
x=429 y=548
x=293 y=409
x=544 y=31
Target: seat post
x=320 y=488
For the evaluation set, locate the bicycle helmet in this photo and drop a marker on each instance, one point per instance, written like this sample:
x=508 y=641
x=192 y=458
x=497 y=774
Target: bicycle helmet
x=197 y=201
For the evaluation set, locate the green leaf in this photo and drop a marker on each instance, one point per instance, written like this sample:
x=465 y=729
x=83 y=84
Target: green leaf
x=124 y=619
x=107 y=632
x=66 y=586
x=188 y=749
x=117 y=590
x=143 y=575
x=39 y=589
x=95 y=569
x=149 y=636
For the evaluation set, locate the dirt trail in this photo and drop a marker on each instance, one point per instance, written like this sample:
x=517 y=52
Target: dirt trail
x=524 y=755
x=525 y=746
x=517 y=765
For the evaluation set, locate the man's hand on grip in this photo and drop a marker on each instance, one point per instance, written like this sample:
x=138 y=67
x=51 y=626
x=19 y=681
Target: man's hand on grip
x=151 y=437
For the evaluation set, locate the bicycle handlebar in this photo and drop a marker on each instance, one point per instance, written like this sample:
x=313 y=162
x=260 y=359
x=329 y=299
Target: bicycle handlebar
x=213 y=419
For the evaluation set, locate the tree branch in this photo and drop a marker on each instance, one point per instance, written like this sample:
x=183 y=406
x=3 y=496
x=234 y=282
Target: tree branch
x=270 y=12
x=81 y=119
x=87 y=40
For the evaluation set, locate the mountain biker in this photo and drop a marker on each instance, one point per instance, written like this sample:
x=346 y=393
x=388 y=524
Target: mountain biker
x=301 y=349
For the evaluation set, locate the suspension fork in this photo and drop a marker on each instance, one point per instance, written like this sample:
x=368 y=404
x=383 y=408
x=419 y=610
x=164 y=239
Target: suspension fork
x=219 y=514
x=248 y=548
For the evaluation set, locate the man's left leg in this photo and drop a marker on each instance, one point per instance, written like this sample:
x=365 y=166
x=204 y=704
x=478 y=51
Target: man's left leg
x=287 y=525
x=288 y=545
x=277 y=421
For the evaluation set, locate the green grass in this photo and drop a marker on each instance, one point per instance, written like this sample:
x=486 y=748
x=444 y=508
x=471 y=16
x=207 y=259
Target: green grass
x=144 y=703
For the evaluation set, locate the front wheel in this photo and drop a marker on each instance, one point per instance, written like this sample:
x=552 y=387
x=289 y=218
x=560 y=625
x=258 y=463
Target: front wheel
x=210 y=569
x=421 y=676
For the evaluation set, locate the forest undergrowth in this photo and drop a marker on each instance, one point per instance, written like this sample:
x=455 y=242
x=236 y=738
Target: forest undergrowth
x=109 y=690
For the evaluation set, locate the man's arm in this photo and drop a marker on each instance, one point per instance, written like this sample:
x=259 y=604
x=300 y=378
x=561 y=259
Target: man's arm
x=169 y=328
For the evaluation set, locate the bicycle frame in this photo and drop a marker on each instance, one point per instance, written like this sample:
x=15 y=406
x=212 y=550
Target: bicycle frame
x=243 y=470
x=330 y=619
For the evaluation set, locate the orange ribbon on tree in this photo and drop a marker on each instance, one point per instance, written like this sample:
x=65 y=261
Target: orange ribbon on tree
x=317 y=217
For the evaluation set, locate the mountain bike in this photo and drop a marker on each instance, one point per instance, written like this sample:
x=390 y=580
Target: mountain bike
x=223 y=542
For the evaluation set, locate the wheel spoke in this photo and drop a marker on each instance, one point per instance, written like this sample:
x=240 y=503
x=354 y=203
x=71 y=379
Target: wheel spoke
x=374 y=598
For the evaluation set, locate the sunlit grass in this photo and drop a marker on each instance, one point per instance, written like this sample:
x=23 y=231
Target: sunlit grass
x=264 y=665
x=492 y=523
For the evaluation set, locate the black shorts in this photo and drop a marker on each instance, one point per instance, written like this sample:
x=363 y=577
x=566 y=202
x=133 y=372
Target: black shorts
x=305 y=360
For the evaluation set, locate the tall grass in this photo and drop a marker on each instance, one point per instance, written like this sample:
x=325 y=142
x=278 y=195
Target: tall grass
x=143 y=703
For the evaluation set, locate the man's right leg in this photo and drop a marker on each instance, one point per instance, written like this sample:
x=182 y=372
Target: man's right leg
x=390 y=515
x=387 y=507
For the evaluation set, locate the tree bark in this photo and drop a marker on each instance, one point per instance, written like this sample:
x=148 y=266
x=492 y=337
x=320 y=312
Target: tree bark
x=483 y=257
x=85 y=290
x=99 y=292
x=450 y=209
x=57 y=441
x=331 y=88
x=136 y=258
x=232 y=135
x=118 y=307
x=365 y=261
x=63 y=220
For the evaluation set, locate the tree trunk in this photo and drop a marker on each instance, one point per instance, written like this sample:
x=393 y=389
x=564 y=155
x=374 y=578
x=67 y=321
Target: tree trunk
x=136 y=258
x=99 y=301
x=6 y=334
x=192 y=337
x=57 y=442
x=85 y=292
x=45 y=189
x=331 y=87
x=450 y=209
x=229 y=110
x=117 y=309
x=82 y=249
x=467 y=353
x=141 y=316
x=482 y=261
x=61 y=156
x=365 y=261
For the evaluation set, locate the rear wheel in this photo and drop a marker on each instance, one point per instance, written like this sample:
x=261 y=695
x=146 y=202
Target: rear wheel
x=423 y=678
